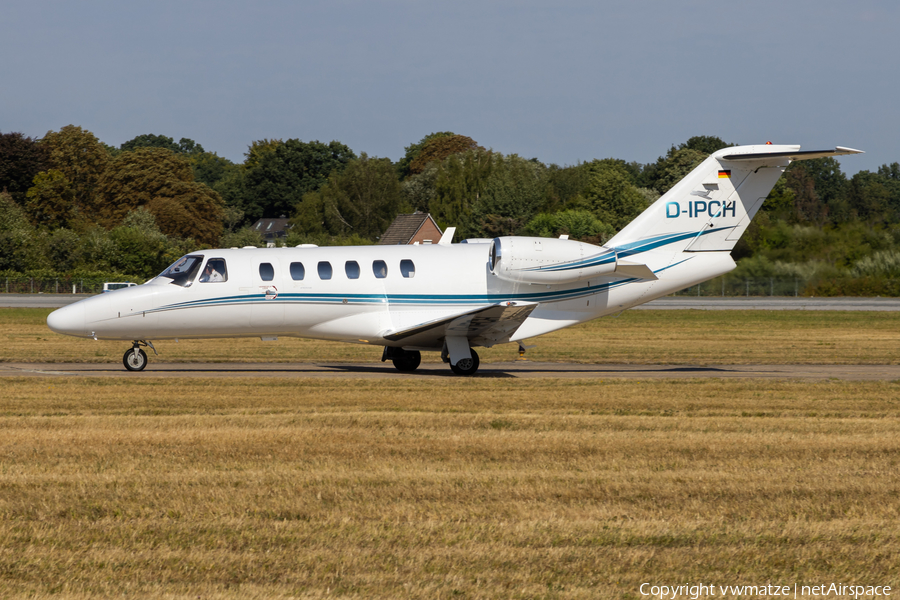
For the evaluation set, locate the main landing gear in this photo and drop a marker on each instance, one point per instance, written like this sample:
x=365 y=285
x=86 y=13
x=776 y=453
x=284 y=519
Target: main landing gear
x=406 y=361
x=135 y=359
x=466 y=366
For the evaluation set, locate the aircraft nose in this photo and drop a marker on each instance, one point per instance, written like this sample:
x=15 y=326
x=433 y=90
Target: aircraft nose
x=68 y=320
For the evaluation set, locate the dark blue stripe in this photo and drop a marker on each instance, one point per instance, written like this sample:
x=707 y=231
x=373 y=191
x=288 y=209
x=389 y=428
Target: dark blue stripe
x=426 y=299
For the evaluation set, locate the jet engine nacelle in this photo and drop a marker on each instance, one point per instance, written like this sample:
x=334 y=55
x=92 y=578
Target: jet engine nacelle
x=549 y=260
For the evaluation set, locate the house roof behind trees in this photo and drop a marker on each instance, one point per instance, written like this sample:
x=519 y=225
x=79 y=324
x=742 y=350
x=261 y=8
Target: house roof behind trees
x=409 y=229
x=272 y=228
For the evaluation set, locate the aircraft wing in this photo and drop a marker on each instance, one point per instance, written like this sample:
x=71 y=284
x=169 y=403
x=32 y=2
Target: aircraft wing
x=484 y=326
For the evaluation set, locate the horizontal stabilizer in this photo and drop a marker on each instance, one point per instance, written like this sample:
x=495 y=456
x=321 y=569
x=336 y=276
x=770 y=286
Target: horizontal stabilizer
x=794 y=155
x=485 y=326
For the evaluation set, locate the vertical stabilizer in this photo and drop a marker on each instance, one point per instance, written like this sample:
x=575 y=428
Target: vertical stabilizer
x=712 y=206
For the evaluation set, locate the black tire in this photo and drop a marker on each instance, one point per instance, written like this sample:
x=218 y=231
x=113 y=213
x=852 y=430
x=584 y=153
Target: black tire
x=135 y=363
x=408 y=361
x=466 y=366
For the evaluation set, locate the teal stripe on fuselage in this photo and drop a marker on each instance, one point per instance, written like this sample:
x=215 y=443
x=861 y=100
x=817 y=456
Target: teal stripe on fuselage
x=396 y=299
x=629 y=249
x=585 y=263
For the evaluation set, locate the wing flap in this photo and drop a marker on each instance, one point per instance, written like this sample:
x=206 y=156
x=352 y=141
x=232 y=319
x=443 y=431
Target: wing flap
x=483 y=326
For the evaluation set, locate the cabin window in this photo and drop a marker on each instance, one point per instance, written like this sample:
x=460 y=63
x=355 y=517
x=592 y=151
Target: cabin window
x=183 y=270
x=407 y=268
x=351 y=267
x=214 y=271
x=297 y=271
x=325 y=270
x=379 y=267
x=266 y=272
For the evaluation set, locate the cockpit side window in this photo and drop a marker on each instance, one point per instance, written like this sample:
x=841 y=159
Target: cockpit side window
x=183 y=270
x=214 y=271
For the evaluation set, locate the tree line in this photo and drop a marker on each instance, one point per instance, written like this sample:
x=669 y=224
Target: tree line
x=71 y=203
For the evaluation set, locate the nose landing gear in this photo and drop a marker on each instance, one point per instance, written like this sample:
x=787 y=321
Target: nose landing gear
x=135 y=359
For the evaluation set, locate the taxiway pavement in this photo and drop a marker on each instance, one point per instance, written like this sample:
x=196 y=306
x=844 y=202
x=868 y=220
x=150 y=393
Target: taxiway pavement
x=515 y=370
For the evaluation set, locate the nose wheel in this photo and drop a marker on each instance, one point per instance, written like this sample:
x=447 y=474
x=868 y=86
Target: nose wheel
x=135 y=359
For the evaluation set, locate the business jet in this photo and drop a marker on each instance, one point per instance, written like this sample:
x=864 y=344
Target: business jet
x=448 y=298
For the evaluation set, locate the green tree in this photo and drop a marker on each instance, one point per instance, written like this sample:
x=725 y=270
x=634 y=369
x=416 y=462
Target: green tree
x=611 y=197
x=210 y=168
x=440 y=147
x=660 y=175
x=891 y=171
x=20 y=247
x=706 y=144
x=890 y=179
x=140 y=245
x=413 y=150
x=51 y=200
x=808 y=206
x=363 y=199
x=460 y=182
x=884 y=263
x=577 y=224
x=98 y=250
x=163 y=182
x=150 y=140
x=246 y=236
x=870 y=199
x=82 y=159
x=514 y=191
x=566 y=187
x=276 y=183
x=21 y=158
x=418 y=190
x=259 y=149
x=779 y=203
x=64 y=250
x=676 y=167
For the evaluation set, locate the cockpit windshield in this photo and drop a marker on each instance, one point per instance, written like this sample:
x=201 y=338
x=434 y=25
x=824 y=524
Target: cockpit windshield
x=183 y=270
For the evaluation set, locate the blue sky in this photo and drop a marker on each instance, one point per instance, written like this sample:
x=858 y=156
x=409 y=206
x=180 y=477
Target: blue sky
x=563 y=81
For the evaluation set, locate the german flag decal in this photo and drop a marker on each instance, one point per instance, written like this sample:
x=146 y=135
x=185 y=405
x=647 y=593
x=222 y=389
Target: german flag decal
x=726 y=174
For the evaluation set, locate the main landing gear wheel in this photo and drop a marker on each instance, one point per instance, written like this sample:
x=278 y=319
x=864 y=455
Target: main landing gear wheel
x=135 y=359
x=466 y=366
x=407 y=361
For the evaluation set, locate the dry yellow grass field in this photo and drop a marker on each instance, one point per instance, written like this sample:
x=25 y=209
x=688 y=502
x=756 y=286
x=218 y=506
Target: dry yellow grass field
x=456 y=488
x=646 y=336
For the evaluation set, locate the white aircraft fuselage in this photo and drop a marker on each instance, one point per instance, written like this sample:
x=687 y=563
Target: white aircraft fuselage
x=447 y=280
x=445 y=297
